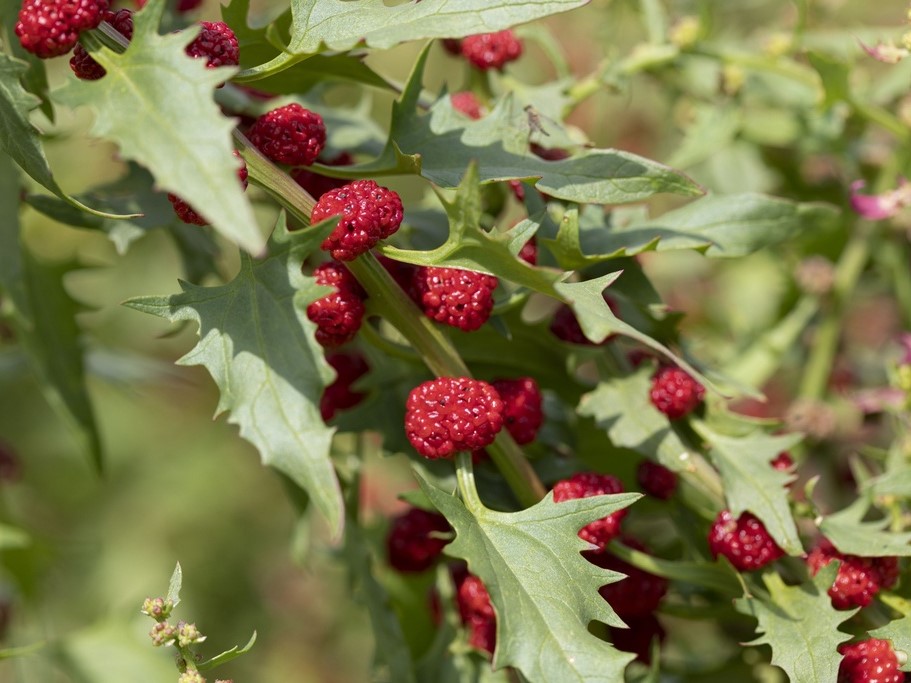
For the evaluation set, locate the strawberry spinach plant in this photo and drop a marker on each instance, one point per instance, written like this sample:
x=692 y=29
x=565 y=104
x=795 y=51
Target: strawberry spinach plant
x=652 y=396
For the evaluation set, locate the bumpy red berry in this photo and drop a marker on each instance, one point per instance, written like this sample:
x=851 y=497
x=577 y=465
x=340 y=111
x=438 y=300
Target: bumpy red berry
x=858 y=580
x=50 y=28
x=639 y=593
x=413 y=543
x=217 y=43
x=82 y=63
x=522 y=407
x=338 y=316
x=316 y=184
x=529 y=253
x=584 y=485
x=452 y=414
x=783 y=462
x=674 y=392
x=369 y=213
x=477 y=613
x=289 y=135
x=349 y=367
x=188 y=214
x=656 y=479
x=638 y=638
x=549 y=153
x=869 y=661
x=492 y=50
x=467 y=103
x=743 y=541
x=455 y=297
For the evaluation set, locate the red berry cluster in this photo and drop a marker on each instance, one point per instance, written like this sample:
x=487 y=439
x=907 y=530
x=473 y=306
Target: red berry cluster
x=338 y=316
x=415 y=541
x=675 y=393
x=349 y=367
x=522 y=408
x=217 y=43
x=317 y=184
x=491 y=50
x=584 y=485
x=476 y=612
x=289 y=135
x=50 y=28
x=455 y=297
x=451 y=414
x=656 y=480
x=858 y=580
x=82 y=63
x=744 y=541
x=466 y=102
x=869 y=661
x=188 y=214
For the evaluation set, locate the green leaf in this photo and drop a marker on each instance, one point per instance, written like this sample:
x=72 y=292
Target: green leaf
x=899 y=633
x=852 y=536
x=18 y=138
x=339 y=25
x=258 y=345
x=544 y=592
x=174 y=586
x=227 y=655
x=448 y=142
x=713 y=128
x=156 y=103
x=13 y=537
x=751 y=483
x=800 y=625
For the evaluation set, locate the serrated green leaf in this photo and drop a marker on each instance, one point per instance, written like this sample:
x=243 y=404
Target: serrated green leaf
x=752 y=484
x=852 y=536
x=258 y=345
x=227 y=655
x=18 y=138
x=544 y=592
x=898 y=632
x=157 y=104
x=339 y=25
x=800 y=625
x=174 y=585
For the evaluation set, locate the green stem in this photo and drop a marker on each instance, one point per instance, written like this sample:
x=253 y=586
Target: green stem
x=277 y=184
x=467 y=489
x=825 y=343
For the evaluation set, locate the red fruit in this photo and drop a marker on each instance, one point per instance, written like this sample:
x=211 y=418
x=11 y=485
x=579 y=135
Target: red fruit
x=565 y=326
x=452 y=414
x=452 y=45
x=217 y=43
x=518 y=189
x=467 y=103
x=639 y=593
x=656 y=480
x=50 y=28
x=492 y=50
x=674 y=392
x=82 y=63
x=638 y=638
x=477 y=613
x=289 y=135
x=400 y=271
x=548 y=153
x=369 y=213
x=858 y=580
x=783 y=462
x=869 y=661
x=744 y=541
x=188 y=214
x=338 y=316
x=349 y=367
x=184 y=6
x=529 y=253
x=455 y=297
x=522 y=409
x=410 y=545
x=584 y=485
x=317 y=185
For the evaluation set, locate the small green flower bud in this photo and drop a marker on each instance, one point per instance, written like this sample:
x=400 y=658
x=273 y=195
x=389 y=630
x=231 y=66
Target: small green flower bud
x=191 y=677
x=157 y=608
x=686 y=32
x=187 y=634
x=163 y=633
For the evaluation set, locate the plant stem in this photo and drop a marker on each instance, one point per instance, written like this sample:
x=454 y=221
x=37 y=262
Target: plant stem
x=467 y=489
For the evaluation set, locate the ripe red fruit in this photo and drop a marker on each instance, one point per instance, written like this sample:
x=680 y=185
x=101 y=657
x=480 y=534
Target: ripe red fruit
x=565 y=326
x=492 y=50
x=188 y=214
x=656 y=480
x=522 y=409
x=869 y=661
x=410 y=545
x=452 y=414
x=638 y=638
x=452 y=45
x=467 y=103
x=369 y=213
x=674 y=392
x=217 y=43
x=529 y=253
x=349 y=367
x=82 y=63
x=289 y=135
x=455 y=297
x=50 y=28
x=316 y=184
x=584 y=485
x=477 y=613
x=743 y=541
x=858 y=580
x=549 y=153
x=783 y=462
x=639 y=593
x=338 y=316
